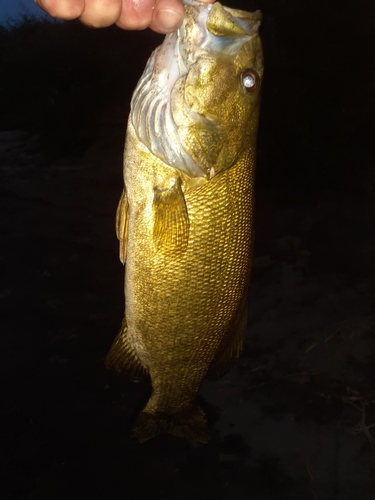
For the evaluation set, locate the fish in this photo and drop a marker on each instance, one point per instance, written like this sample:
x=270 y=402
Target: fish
x=185 y=218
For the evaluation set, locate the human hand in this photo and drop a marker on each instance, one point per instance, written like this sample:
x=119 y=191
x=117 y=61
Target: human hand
x=162 y=16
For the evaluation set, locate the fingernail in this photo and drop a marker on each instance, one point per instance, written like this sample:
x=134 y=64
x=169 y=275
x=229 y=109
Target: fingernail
x=168 y=19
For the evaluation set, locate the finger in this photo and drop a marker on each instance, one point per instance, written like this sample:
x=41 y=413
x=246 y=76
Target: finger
x=167 y=16
x=101 y=13
x=62 y=9
x=135 y=14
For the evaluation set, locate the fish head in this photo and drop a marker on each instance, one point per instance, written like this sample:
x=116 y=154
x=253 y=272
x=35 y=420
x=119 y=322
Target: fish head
x=208 y=79
x=221 y=91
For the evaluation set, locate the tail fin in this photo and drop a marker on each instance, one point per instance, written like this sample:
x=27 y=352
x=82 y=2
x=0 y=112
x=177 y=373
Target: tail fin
x=122 y=357
x=190 y=424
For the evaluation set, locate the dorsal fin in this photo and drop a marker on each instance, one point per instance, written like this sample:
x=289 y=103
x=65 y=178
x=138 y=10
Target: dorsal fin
x=122 y=357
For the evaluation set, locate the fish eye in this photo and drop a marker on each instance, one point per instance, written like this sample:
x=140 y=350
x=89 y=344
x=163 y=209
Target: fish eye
x=249 y=81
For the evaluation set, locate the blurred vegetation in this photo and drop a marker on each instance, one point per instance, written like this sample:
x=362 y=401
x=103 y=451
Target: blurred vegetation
x=60 y=78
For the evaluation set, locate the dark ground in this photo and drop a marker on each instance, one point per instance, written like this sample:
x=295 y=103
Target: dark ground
x=295 y=420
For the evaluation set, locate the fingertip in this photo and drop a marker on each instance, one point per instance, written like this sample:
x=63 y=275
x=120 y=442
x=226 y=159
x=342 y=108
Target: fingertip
x=135 y=15
x=166 y=21
x=133 y=24
x=62 y=9
x=101 y=13
x=167 y=16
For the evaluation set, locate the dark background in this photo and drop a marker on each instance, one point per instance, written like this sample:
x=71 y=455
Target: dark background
x=293 y=420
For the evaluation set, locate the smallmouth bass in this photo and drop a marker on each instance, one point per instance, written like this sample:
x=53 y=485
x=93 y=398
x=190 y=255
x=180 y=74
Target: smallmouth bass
x=185 y=218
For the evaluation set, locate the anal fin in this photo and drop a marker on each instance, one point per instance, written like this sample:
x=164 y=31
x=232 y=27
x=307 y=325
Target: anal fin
x=171 y=220
x=122 y=357
x=122 y=224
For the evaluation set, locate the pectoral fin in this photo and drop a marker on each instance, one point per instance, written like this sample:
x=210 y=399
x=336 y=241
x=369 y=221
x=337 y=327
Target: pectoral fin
x=171 y=220
x=122 y=225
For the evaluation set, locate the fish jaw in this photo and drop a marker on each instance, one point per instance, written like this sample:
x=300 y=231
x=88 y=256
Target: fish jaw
x=172 y=99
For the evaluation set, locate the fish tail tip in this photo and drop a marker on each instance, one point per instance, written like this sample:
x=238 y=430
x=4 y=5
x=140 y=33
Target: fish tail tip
x=190 y=425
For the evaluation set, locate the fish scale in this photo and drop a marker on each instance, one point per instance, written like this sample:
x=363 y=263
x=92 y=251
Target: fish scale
x=187 y=232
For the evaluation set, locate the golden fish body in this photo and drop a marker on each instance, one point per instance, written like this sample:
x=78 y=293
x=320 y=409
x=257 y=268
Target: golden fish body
x=185 y=219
